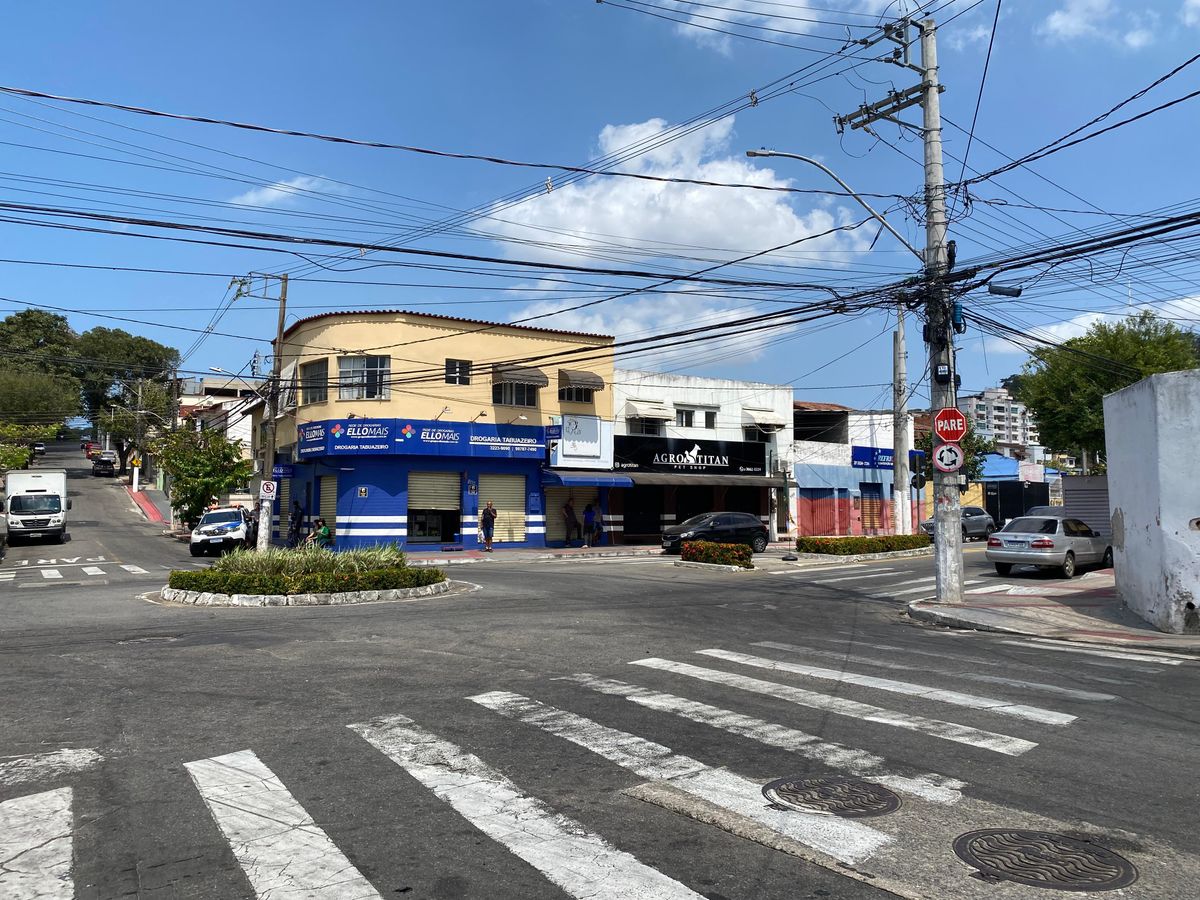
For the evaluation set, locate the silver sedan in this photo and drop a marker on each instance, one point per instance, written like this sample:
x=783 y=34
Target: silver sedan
x=1063 y=544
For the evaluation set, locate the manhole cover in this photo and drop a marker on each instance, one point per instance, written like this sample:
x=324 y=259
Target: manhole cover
x=835 y=795
x=1044 y=859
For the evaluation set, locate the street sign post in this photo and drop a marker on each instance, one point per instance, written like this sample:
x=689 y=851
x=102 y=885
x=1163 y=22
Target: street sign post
x=949 y=426
x=268 y=490
x=948 y=457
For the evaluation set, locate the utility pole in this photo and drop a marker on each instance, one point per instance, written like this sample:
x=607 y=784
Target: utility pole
x=901 y=492
x=137 y=437
x=939 y=334
x=264 y=504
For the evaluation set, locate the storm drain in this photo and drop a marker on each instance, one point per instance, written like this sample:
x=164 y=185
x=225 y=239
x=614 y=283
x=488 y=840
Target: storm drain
x=834 y=795
x=1044 y=859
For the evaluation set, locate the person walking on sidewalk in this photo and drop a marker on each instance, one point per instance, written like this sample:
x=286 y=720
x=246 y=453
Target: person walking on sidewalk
x=295 y=524
x=487 y=524
x=589 y=525
x=571 y=520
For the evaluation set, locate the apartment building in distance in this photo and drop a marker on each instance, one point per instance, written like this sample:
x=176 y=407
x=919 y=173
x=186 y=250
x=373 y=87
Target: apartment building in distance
x=997 y=417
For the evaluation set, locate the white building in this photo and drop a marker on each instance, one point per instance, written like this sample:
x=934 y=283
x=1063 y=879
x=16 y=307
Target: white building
x=998 y=417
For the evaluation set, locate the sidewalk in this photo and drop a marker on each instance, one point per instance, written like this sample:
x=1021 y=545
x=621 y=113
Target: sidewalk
x=1087 y=610
x=152 y=502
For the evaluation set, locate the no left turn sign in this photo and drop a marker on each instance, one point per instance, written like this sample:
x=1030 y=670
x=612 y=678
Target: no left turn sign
x=948 y=457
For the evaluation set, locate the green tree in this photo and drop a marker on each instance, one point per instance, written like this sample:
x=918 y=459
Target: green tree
x=1064 y=386
x=974 y=448
x=127 y=417
x=110 y=358
x=37 y=398
x=202 y=464
x=39 y=341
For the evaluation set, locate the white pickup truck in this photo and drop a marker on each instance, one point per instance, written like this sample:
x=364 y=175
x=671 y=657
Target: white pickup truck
x=36 y=504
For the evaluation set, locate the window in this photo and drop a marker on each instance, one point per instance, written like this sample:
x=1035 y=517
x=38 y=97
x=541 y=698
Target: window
x=754 y=435
x=458 y=371
x=314 y=381
x=509 y=394
x=364 y=377
x=684 y=418
x=644 y=426
x=575 y=395
x=710 y=419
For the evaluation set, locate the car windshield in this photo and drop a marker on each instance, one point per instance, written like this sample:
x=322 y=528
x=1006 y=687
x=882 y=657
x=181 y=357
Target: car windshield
x=1029 y=525
x=221 y=518
x=696 y=520
x=35 y=503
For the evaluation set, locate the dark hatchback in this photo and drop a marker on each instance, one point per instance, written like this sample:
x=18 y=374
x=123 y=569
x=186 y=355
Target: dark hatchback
x=721 y=528
x=102 y=467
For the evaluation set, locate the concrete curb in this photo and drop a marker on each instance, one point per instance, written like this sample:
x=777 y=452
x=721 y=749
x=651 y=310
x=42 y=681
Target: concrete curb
x=451 y=560
x=684 y=564
x=205 y=598
x=866 y=557
x=149 y=510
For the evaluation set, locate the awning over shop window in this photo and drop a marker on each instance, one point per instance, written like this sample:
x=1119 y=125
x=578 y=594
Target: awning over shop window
x=648 y=409
x=577 y=378
x=585 y=479
x=673 y=478
x=764 y=418
x=506 y=374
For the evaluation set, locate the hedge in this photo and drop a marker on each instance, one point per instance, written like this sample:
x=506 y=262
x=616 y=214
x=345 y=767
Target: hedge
x=719 y=554
x=850 y=546
x=319 y=583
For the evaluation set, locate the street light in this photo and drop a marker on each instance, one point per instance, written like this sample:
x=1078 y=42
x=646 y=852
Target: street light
x=900 y=513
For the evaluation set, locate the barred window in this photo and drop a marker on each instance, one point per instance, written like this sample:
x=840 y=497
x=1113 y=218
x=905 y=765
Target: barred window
x=364 y=377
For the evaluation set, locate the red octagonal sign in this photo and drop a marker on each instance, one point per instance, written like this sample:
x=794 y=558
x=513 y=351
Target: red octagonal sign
x=950 y=425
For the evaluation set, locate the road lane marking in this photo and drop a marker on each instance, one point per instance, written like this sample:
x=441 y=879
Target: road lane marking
x=1110 y=654
x=92 y=570
x=136 y=570
x=925 y=692
x=1073 y=693
x=281 y=851
x=581 y=863
x=845 y=840
x=948 y=731
x=51 y=573
x=806 y=570
x=905 y=593
x=928 y=786
x=7 y=576
x=35 y=847
x=41 y=766
x=854 y=577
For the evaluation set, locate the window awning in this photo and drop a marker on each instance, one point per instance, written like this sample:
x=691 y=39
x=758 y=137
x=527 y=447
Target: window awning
x=681 y=478
x=506 y=374
x=648 y=409
x=764 y=418
x=585 y=479
x=577 y=378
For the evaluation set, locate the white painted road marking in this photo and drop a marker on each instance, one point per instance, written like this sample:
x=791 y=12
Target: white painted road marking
x=1142 y=654
x=928 y=786
x=991 y=589
x=35 y=847
x=51 y=573
x=281 y=850
x=39 y=766
x=854 y=577
x=806 y=570
x=92 y=570
x=1109 y=654
x=136 y=570
x=947 y=731
x=845 y=840
x=7 y=576
x=581 y=863
x=925 y=692
x=918 y=590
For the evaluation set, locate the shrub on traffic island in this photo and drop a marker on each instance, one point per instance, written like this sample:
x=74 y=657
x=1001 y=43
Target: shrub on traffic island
x=718 y=554
x=214 y=582
x=852 y=546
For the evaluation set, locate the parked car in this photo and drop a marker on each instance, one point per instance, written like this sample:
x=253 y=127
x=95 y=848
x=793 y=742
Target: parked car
x=110 y=455
x=720 y=527
x=1048 y=543
x=39 y=447
x=220 y=529
x=103 y=466
x=93 y=451
x=976 y=523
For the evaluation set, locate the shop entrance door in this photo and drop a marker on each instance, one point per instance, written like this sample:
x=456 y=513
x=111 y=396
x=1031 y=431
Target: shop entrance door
x=872 y=507
x=507 y=493
x=434 y=507
x=643 y=511
x=691 y=500
x=328 y=487
x=556 y=526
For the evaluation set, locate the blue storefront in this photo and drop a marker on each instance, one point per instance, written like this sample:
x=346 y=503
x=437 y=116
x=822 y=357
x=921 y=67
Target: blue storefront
x=420 y=483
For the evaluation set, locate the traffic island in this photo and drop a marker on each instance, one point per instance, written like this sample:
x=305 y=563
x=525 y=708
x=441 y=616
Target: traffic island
x=857 y=548
x=208 y=598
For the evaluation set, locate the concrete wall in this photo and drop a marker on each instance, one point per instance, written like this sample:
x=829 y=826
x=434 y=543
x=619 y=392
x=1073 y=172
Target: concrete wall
x=1154 y=496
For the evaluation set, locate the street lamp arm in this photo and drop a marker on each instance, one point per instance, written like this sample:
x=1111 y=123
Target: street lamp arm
x=849 y=190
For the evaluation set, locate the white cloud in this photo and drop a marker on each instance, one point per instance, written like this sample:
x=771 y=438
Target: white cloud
x=284 y=193
x=1190 y=12
x=1183 y=311
x=972 y=37
x=1100 y=20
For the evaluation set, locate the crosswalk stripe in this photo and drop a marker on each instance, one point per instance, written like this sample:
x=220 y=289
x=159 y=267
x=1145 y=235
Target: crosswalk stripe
x=136 y=570
x=917 y=590
x=1130 y=651
x=22 y=769
x=925 y=692
x=854 y=577
x=1073 y=693
x=1110 y=654
x=806 y=570
x=928 y=786
x=844 y=840
x=991 y=589
x=35 y=847
x=51 y=573
x=581 y=863
x=92 y=570
x=948 y=731
x=7 y=576
x=280 y=849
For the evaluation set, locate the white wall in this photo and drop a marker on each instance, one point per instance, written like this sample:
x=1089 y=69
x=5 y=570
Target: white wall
x=587 y=443
x=1154 y=496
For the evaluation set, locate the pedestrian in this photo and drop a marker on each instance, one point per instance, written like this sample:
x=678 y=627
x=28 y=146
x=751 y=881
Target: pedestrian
x=487 y=523
x=589 y=524
x=321 y=536
x=213 y=503
x=295 y=524
x=598 y=528
x=571 y=520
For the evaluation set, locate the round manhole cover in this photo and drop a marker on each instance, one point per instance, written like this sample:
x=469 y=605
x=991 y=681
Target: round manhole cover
x=835 y=795
x=1044 y=859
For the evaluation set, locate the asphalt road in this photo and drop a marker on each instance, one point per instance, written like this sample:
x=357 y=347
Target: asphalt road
x=578 y=728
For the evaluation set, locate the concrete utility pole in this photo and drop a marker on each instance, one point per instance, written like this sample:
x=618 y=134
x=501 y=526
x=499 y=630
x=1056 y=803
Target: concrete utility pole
x=901 y=492
x=264 y=505
x=137 y=438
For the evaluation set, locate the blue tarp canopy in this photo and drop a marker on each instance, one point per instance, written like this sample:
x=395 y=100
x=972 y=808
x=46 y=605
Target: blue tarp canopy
x=586 y=479
x=997 y=467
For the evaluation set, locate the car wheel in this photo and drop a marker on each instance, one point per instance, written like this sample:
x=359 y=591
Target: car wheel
x=966 y=537
x=989 y=531
x=1107 y=561
x=196 y=550
x=759 y=544
x=1003 y=568
x=1068 y=566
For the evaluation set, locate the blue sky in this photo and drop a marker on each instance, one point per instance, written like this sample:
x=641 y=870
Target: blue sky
x=564 y=81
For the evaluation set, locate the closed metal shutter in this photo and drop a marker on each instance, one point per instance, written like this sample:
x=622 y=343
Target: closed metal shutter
x=1085 y=497
x=872 y=508
x=556 y=528
x=283 y=508
x=507 y=493
x=328 y=501
x=434 y=490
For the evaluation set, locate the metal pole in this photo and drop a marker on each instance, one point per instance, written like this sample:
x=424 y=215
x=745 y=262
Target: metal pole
x=137 y=432
x=901 y=493
x=947 y=550
x=264 y=505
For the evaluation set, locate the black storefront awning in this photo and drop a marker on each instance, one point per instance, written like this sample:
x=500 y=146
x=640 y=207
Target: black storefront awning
x=506 y=374
x=577 y=378
x=682 y=478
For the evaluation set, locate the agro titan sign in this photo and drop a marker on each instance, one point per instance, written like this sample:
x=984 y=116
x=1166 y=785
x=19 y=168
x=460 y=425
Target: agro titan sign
x=378 y=437
x=949 y=425
x=655 y=454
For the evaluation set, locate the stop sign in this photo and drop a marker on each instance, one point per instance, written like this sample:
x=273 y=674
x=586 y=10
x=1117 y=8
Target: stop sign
x=950 y=425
